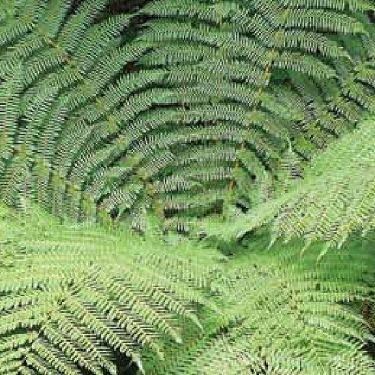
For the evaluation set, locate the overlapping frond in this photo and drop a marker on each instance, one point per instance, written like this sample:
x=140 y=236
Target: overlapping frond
x=72 y=61
x=188 y=108
x=109 y=110
x=74 y=297
x=288 y=315
x=334 y=200
x=270 y=73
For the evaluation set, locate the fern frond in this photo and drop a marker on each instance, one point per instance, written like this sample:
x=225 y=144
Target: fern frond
x=284 y=314
x=334 y=200
x=253 y=76
x=79 y=294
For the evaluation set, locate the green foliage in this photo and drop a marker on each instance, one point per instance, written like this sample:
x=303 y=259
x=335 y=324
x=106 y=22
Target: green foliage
x=286 y=315
x=334 y=200
x=72 y=97
x=72 y=297
x=158 y=113
x=266 y=75
x=109 y=109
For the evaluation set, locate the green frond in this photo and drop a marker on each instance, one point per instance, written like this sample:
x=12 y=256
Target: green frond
x=283 y=314
x=332 y=201
x=78 y=294
x=10 y=91
x=219 y=119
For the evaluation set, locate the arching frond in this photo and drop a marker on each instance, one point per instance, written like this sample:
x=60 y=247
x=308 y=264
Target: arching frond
x=334 y=199
x=285 y=314
x=72 y=297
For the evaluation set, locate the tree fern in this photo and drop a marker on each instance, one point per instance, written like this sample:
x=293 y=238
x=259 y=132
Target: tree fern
x=72 y=297
x=252 y=60
x=333 y=201
x=102 y=101
x=285 y=315
x=70 y=62
x=188 y=109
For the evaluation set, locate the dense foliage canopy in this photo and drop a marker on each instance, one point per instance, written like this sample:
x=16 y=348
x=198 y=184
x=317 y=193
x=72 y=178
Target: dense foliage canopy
x=187 y=187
